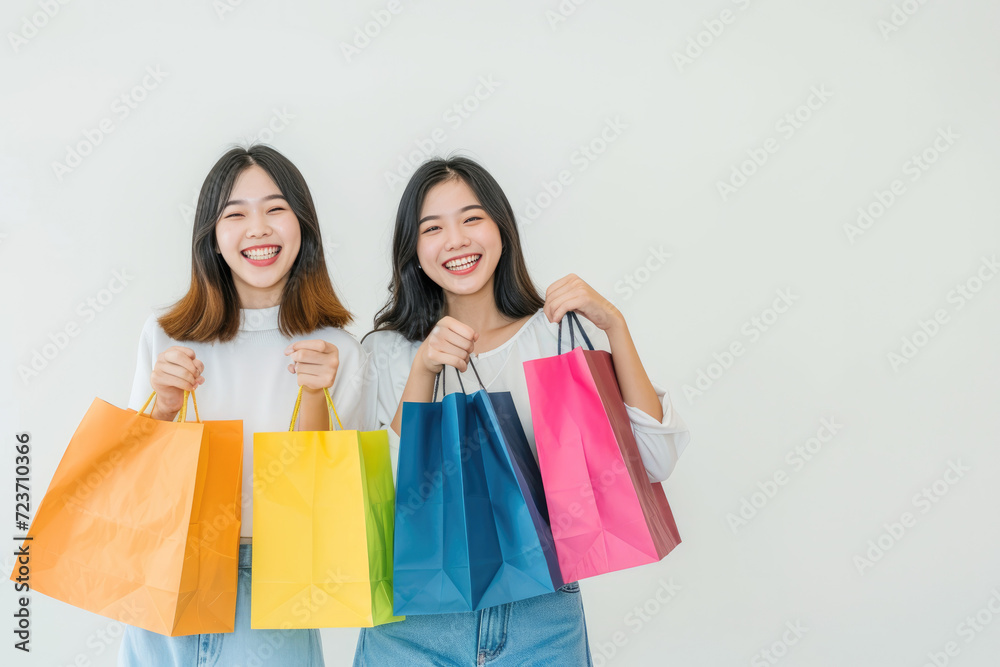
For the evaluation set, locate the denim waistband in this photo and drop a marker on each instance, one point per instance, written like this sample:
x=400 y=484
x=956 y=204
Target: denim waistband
x=245 y=550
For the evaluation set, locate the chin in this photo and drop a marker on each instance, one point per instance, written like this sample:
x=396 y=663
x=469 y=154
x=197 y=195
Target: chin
x=467 y=290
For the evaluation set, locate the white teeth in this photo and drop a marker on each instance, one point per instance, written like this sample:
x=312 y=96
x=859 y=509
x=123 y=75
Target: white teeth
x=261 y=253
x=459 y=264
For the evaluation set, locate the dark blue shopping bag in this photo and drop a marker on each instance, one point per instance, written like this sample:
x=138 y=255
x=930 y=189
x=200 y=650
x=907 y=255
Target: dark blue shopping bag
x=471 y=528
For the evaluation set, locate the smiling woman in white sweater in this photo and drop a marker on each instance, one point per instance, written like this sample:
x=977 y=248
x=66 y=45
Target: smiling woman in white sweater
x=460 y=290
x=260 y=319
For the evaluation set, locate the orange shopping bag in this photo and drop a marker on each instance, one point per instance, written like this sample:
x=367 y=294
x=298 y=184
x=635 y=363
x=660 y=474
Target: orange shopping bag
x=141 y=521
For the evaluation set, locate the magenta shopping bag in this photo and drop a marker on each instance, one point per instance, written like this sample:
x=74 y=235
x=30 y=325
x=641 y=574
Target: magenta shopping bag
x=605 y=513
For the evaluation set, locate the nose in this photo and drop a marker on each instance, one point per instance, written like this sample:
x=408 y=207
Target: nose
x=257 y=226
x=457 y=238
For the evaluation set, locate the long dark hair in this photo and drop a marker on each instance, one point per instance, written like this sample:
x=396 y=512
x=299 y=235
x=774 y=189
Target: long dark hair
x=416 y=302
x=210 y=310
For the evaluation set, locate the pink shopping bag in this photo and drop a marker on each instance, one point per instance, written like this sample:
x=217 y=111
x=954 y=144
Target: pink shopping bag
x=605 y=513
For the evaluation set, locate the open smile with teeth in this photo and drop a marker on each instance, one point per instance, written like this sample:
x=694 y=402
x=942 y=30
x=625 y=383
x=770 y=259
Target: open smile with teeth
x=262 y=253
x=462 y=263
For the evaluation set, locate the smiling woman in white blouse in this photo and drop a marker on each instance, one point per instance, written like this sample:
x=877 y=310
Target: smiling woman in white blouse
x=460 y=288
x=259 y=320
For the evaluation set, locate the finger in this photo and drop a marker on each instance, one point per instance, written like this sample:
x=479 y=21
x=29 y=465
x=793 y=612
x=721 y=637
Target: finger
x=451 y=360
x=315 y=344
x=453 y=338
x=565 y=304
x=320 y=380
x=460 y=328
x=184 y=380
x=574 y=287
x=555 y=308
x=451 y=349
x=559 y=284
x=326 y=374
x=187 y=379
x=178 y=357
x=314 y=357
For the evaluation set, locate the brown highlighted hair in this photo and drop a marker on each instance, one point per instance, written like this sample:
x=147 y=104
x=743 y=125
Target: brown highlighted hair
x=210 y=311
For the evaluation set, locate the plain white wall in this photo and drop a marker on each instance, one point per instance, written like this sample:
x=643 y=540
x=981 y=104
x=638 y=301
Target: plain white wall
x=891 y=75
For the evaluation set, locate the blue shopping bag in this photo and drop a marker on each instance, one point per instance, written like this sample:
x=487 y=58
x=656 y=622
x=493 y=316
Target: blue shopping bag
x=471 y=525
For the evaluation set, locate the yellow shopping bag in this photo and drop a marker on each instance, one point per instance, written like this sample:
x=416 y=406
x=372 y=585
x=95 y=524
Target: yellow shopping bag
x=323 y=506
x=141 y=521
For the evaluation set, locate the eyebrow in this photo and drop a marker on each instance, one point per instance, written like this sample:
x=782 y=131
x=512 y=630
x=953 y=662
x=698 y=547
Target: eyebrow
x=461 y=210
x=242 y=202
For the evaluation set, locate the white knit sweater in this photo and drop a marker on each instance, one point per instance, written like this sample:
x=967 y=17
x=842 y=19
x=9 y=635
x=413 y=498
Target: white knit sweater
x=247 y=378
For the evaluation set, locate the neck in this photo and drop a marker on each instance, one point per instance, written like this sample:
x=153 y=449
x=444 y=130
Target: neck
x=478 y=310
x=260 y=298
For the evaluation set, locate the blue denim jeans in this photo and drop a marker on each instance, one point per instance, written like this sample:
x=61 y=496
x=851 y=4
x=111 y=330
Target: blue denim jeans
x=241 y=648
x=545 y=630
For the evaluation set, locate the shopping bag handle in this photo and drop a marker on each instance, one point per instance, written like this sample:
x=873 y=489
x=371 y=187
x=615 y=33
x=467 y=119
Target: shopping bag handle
x=329 y=402
x=459 y=376
x=573 y=320
x=182 y=415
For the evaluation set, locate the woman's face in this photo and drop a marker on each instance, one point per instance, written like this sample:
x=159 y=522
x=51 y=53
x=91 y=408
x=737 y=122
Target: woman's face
x=458 y=243
x=258 y=235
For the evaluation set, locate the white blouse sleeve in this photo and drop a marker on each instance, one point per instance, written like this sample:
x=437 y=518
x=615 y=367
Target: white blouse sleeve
x=350 y=387
x=390 y=357
x=660 y=442
x=145 y=358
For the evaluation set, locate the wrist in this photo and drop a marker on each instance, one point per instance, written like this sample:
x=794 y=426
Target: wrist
x=617 y=325
x=163 y=415
x=419 y=368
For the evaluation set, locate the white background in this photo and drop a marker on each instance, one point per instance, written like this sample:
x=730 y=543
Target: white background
x=126 y=206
